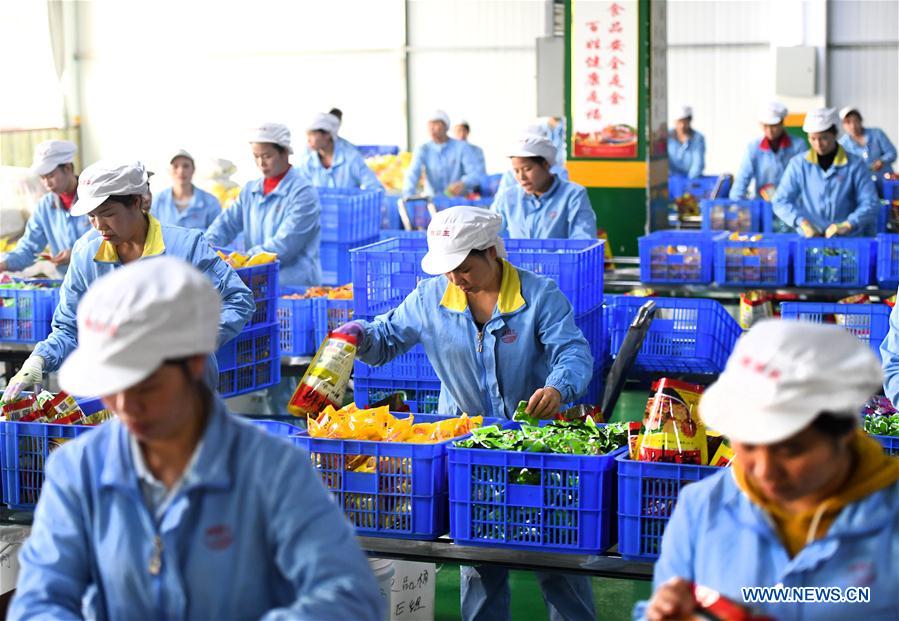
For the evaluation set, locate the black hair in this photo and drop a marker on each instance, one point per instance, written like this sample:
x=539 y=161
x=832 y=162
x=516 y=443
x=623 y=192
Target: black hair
x=126 y=199
x=465 y=125
x=538 y=160
x=336 y=112
x=279 y=148
x=833 y=425
x=182 y=362
x=832 y=130
x=857 y=114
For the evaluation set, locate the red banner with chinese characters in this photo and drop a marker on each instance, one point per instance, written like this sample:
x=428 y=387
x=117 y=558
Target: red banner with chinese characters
x=604 y=78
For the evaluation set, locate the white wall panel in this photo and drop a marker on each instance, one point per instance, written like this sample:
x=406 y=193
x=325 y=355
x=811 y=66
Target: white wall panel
x=201 y=81
x=726 y=87
x=860 y=21
x=869 y=79
x=717 y=21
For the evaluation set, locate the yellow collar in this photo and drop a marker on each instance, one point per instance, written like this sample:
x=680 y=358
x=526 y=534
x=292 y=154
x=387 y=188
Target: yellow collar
x=839 y=159
x=510 y=299
x=153 y=245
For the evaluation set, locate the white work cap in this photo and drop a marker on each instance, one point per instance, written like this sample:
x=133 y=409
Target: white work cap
x=440 y=115
x=782 y=374
x=274 y=133
x=455 y=232
x=134 y=318
x=108 y=178
x=50 y=154
x=844 y=112
x=326 y=123
x=772 y=113
x=683 y=112
x=533 y=145
x=820 y=120
x=182 y=153
x=536 y=130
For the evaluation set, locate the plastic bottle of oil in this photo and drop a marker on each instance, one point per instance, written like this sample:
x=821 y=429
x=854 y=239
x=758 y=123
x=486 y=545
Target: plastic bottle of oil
x=325 y=381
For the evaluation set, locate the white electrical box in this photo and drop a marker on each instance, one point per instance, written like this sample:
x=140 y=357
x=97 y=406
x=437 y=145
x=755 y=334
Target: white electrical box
x=796 y=71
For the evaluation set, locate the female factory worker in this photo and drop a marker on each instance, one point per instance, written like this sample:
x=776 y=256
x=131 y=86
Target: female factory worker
x=810 y=500
x=184 y=204
x=450 y=166
x=461 y=132
x=52 y=222
x=330 y=164
x=496 y=335
x=541 y=205
x=278 y=213
x=766 y=160
x=826 y=191
x=110 y=193
x=157 y=511
x=686 y=147
x=868 y=143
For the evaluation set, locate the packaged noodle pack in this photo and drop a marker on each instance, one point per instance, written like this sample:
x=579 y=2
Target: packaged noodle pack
x=672 y=430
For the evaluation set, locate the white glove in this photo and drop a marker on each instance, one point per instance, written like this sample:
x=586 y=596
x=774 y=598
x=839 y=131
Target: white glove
x=31 y=374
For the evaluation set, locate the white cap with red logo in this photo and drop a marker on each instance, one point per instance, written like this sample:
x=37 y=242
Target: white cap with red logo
x=455 y=232
x=783 y=374
x=274 y=133
x=133 y=319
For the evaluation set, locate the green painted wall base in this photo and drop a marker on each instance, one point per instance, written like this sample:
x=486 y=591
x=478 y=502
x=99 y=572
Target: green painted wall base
x=621 y=212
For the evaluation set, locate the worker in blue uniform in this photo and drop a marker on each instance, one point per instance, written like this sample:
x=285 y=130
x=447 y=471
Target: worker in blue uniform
x=809 y=500
x=111 y=194
x=495 y=335
x=184 y=204
x=327 y=163
x=450 y=167
x=541 y=205
x=51 y=224
x=176 y=509
x=826 y=191
x=279 y=213
x=461 y=131
x=766 y=160
x=686 y=146
x=869 y=143
x=554 y=128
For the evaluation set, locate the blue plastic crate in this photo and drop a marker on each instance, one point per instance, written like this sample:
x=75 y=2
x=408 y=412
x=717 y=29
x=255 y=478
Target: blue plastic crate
x=402 y=234
x=26 y=314
x=24 y=448
x=489 y=184
x=349 y=215
x=592 y=324
x=686 y=336
x=276 y=427
x=888 y=260
x=390 y=215
x=678 y=257
x=296 y=319
x=386 y=272
x=571 y=509
x=373 y=150
x=262 y=280
x=739 y=216
x=890 y=444
x=328 y=315
x=835 y=262
x=250 y=361
x=891 y=190
x=424 y=393
x=869 y=322
x=405 y=496
x=647 y=494
x=762 y=260
x=700 y=187
x=337 y=267
x=884 y=212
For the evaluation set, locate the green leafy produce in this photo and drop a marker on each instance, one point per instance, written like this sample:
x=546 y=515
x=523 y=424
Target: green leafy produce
x=564 y=437
x=879 y=425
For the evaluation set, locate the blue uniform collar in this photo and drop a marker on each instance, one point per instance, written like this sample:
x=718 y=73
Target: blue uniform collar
x=553 y=188
x=280 y=189
x=210 y=470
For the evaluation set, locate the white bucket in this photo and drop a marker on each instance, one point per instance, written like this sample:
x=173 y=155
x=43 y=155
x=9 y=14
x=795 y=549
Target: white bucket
x=383 y=570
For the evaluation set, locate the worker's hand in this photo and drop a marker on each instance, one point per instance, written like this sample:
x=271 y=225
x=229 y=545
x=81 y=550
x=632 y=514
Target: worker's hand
x=61 y=258
x=31 y=374
x=353 y=328
x=838 y=229
x=808 y=229
x=673 y=600
x=456 y=189
x=544 y=403
x=877 y=165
